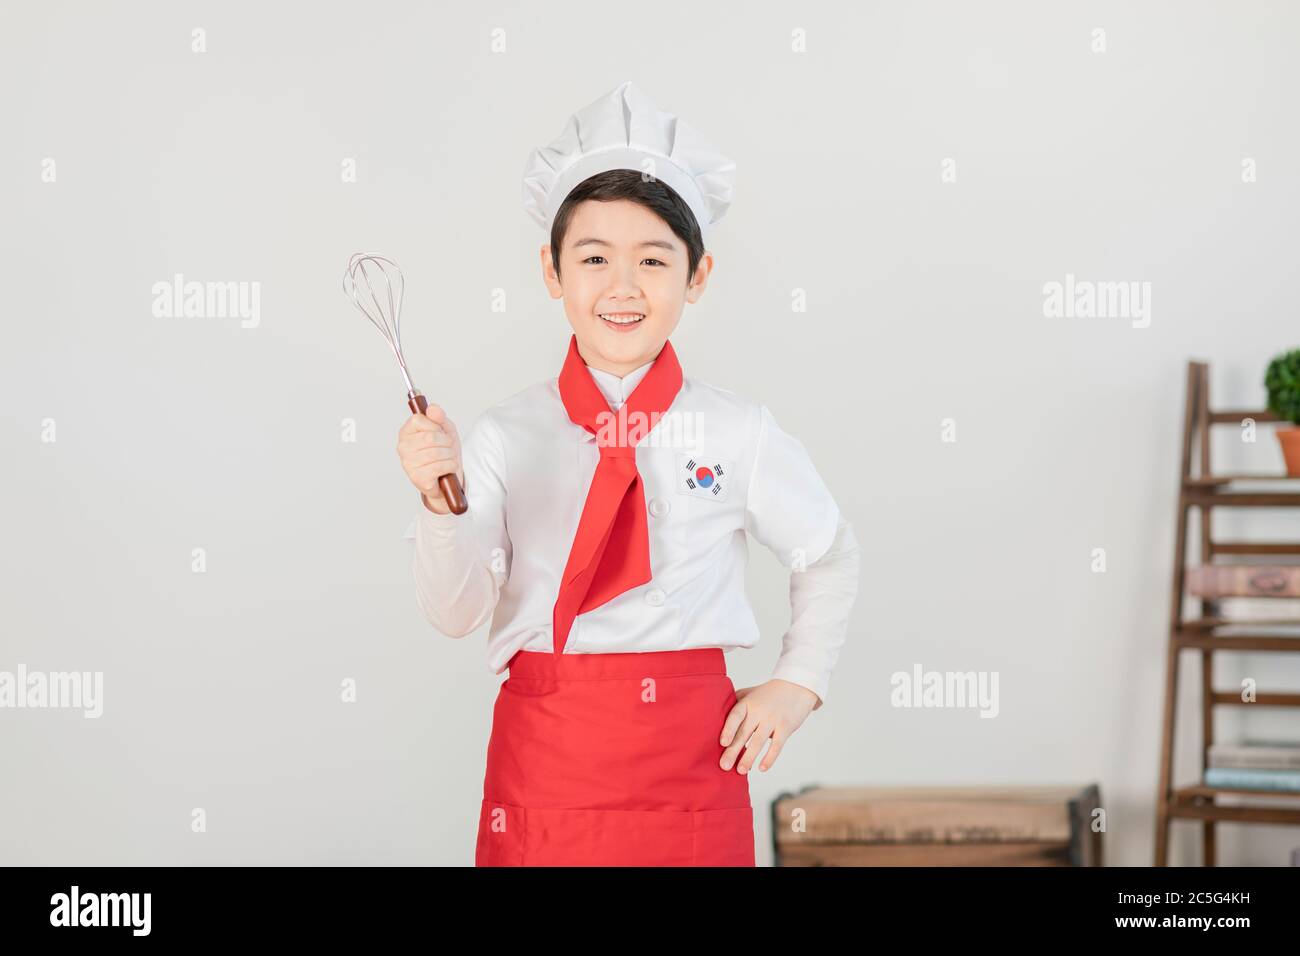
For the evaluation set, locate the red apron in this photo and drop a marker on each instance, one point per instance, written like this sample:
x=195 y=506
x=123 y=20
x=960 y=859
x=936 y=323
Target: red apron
x=612 y=760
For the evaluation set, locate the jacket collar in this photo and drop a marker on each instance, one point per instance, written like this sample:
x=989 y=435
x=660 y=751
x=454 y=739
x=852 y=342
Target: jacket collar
x=612 y=388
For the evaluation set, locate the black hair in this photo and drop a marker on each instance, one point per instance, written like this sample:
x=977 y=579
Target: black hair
x=655 y=195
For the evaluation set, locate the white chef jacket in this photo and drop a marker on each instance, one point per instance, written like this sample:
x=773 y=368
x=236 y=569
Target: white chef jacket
x=527 y=468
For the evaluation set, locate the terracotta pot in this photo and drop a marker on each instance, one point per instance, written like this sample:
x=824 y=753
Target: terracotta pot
x=1289 y=439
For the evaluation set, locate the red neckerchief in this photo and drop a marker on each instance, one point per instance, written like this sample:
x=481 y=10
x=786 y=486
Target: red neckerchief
x=611 y=550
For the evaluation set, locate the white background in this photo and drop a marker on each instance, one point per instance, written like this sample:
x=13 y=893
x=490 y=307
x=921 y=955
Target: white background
x=924 y=302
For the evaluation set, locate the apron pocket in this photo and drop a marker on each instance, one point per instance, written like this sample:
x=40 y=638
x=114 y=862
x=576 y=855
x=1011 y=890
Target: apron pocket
x=533 y=836
x=581 y=837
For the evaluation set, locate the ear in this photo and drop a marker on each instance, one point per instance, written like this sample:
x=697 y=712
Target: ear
x=700 y=281
x=549 y=275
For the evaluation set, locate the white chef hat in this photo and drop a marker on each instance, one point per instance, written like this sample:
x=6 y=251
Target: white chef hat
x=621 y=130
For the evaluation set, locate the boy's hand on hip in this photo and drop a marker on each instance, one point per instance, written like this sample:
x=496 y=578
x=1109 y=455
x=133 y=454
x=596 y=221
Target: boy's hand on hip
x=770 y=711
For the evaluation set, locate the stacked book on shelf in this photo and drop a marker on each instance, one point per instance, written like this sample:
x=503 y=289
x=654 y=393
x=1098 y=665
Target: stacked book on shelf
x=1244 y=580
x=1250 y=764
x=938 y=826
x=1255 y=765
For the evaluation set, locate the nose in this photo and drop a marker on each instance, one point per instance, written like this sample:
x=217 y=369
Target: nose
x=623 y=283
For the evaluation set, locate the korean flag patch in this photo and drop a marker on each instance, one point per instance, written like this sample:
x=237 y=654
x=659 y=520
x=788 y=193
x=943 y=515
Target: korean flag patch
x=703 y=477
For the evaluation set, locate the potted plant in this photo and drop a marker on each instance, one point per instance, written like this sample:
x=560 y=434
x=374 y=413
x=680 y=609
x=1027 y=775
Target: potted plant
x=1283 y=383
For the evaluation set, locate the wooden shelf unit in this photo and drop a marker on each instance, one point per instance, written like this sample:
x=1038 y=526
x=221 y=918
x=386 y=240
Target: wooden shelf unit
x=1205 y=491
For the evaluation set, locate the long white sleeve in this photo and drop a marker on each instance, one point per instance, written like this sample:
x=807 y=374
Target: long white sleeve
x=792 y=513
x=462 y=561
x=454 y=588
x=821 y=601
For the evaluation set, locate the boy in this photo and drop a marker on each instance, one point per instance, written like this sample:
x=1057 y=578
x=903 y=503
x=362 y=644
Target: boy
x=605 y=535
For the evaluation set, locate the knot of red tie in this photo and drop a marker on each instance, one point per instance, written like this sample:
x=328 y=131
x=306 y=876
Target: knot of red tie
x=618 y=451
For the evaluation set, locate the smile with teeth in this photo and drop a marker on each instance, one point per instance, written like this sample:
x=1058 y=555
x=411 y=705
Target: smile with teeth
x=622 y=318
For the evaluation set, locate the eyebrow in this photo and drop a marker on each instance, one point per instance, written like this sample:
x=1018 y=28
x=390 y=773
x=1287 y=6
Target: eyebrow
x=656 y=243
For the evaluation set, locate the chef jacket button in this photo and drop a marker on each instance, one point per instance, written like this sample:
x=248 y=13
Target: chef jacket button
x=655 y=597
x=659 y=507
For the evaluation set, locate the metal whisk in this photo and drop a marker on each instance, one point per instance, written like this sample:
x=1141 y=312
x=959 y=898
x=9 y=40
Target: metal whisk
x=375 y=286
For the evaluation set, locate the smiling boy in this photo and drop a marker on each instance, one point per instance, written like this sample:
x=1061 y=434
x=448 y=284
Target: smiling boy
x=611 y=563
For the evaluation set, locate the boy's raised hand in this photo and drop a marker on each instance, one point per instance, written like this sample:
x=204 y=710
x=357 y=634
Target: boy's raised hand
x=429 y=447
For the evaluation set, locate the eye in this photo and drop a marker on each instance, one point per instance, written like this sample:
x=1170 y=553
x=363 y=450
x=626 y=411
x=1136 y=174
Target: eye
x=657 y=261
x=589 y=258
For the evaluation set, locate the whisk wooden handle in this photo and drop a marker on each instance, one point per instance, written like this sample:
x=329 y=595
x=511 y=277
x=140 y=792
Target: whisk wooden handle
x=449 y=484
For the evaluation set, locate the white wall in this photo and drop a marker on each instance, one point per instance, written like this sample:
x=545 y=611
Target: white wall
x=925 y=303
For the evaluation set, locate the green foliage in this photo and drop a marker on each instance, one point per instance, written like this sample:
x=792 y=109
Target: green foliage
x=1283 y=383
